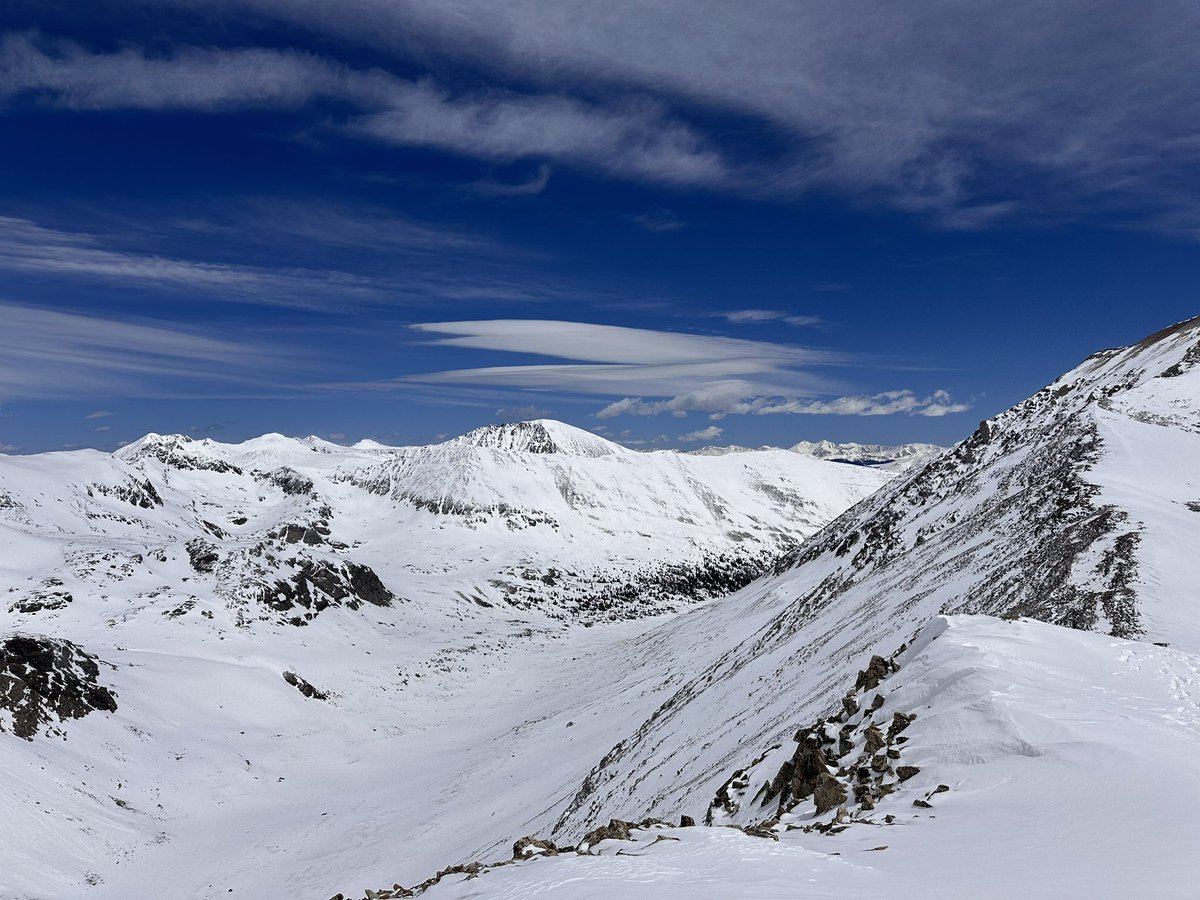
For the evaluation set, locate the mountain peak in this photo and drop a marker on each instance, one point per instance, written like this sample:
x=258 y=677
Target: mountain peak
x=539 y=436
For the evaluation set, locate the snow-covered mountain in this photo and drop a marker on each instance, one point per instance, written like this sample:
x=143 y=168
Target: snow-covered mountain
x=887 y=458
x=1077 y=507
x=800 y=714
x=536 y=516
x=157 y=594
x=403 y=730
x=899 y=458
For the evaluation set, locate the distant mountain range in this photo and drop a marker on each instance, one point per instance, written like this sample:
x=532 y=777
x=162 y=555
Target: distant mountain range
x=896 y=459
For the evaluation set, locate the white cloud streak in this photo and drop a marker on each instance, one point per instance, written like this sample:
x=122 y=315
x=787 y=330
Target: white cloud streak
x=760 y=316
x=682 y=373
x=412 y=263
x=48 y=353
x=633 y=138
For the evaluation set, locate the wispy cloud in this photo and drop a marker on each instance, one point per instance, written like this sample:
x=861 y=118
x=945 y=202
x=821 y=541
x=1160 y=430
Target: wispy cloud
x=659 y=220
x=965 y=112
x=29 y=248
x=535 y=185
x=48 y=353
x=633 y=137
x=99 y=414
x=681 y=373
x=399 y=261
x=759 y=316
x=638 y=140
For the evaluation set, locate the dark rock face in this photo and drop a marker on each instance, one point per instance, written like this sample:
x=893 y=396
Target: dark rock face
x=169 y=451
x=202 y=555
x=299 y=534
x=877 y=670
x=529 y=437
x=289 y=481
x=45 y=681
x=304 y=687
x=829 y=794
x=141 y=494
x=42 y=601
x=319 y=584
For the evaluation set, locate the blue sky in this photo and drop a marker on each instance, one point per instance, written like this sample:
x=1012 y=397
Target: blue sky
x=673 y=223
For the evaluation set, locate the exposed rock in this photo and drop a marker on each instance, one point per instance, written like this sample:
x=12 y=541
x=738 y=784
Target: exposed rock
x=874 y=739
x=202 y=555
x=141 y=494
x=44 y=681
x=686 y=822
x=289 y=481
x=616 y=830
x=304 y=687
x=903 y=773
x=532 y=846
x=320 y=584
x=900 y=721
x=42 y=601
x=877 y=670
x=828 y=794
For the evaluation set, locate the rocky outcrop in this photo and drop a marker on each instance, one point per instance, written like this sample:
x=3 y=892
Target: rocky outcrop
x=317 y=585
x=288 y=480
x=202 y=555
x=46 y=681
x=533 y=846
x=304 y=687
x=846 y=763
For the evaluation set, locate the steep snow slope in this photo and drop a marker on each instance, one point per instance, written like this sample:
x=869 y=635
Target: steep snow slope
x=435 y=587
x=1075 y=507
x=1065 y=760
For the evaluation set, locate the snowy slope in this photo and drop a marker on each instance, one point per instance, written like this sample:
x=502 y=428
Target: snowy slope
x=1066 y=761
x=1072 y=507
x=301 y=638
x=450 y=727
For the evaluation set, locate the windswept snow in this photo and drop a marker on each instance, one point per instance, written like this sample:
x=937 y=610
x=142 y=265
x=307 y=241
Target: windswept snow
x=1067 y=758
x=1038 y=513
